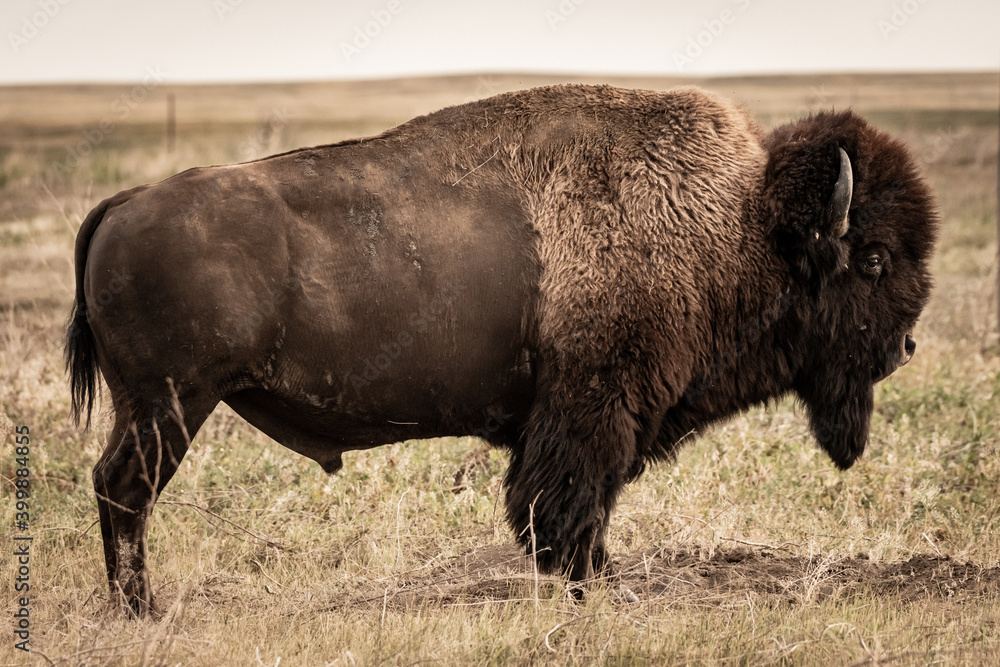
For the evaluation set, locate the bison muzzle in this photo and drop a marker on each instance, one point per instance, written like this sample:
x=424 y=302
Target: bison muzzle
x=583 y=275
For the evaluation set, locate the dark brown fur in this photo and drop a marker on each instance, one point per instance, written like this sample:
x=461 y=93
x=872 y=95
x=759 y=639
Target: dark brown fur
x=584 y=275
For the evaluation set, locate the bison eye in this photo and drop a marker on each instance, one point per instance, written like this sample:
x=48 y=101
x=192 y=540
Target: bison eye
x=873 y=264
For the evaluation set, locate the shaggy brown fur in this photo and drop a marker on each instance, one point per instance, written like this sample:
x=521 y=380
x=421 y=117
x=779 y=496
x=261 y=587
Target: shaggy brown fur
x=585 y=275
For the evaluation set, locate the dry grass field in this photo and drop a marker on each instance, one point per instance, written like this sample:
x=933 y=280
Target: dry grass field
x=750 y=549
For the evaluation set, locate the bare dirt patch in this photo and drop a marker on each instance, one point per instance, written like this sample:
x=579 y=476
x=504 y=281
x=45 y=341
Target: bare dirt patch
x=797 y=578
x=502 y=574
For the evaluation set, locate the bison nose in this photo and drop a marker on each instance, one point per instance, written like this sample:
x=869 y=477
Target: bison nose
x=909 y=346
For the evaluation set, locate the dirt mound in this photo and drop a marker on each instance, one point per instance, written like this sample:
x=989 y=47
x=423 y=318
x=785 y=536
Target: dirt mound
x=503 y=573
x=798 y=578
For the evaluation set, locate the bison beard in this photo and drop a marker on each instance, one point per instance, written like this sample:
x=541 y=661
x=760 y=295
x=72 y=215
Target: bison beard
x=610 y=270
x=840 y=411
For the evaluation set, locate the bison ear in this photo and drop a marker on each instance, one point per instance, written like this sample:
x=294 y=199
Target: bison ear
x=808 y=187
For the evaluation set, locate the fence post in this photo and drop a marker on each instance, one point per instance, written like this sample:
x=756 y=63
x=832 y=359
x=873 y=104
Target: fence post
x=171 y=123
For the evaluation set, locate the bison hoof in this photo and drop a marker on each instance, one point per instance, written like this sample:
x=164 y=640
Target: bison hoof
x=601 y=562
x=576 y=590
x=135 y=606
x=134 y=610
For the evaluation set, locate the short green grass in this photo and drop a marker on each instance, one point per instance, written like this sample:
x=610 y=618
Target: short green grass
x=258 y=556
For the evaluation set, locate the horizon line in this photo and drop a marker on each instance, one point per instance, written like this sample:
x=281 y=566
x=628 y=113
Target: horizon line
x=506 y=73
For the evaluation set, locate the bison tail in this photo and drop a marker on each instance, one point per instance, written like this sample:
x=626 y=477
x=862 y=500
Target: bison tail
x=81 y=362
x=81 y=348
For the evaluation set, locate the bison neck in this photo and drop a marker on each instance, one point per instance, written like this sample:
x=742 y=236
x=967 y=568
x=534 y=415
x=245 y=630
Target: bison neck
x=751 y=363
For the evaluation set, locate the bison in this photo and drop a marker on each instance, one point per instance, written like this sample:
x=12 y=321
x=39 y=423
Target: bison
x=586 y=276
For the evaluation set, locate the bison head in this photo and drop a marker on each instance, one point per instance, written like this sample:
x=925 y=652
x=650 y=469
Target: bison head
x=856 y=224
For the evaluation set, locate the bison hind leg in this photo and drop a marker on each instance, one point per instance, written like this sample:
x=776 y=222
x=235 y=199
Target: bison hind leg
x=143 y=451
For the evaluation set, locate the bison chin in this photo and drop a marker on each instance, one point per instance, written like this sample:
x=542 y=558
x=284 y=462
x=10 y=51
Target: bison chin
x=840 y=413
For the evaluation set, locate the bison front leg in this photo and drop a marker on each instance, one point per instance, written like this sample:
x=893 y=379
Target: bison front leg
x=139 y=460
x=600 y=557
x=562 y=487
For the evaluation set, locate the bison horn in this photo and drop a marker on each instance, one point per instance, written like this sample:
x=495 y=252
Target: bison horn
x=840 y=202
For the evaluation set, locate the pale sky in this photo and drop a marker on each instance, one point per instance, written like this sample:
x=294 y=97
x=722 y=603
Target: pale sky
x=260 y=40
